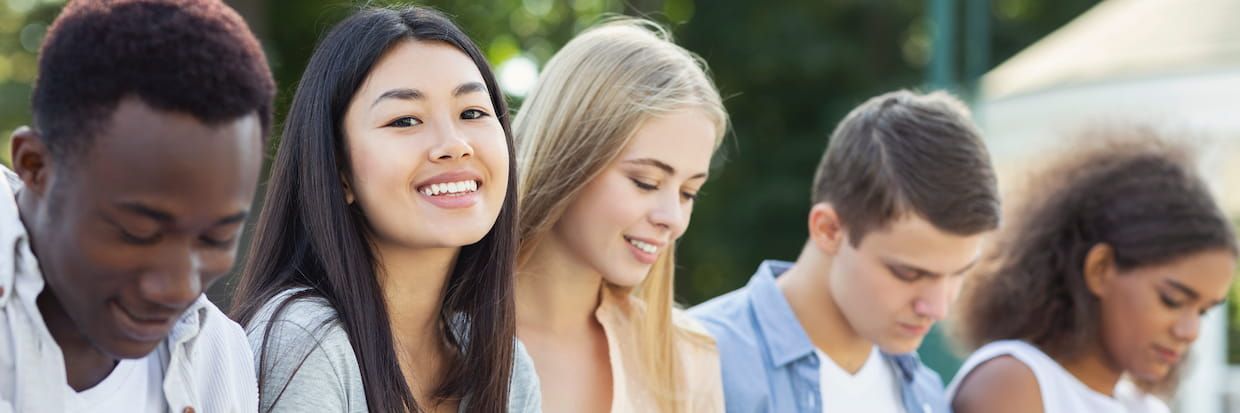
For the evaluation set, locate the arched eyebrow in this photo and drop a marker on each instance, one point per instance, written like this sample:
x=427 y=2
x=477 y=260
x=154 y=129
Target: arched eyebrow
x=1189 y=291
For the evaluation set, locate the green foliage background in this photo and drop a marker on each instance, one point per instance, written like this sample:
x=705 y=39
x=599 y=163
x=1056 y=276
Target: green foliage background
x=789 y=71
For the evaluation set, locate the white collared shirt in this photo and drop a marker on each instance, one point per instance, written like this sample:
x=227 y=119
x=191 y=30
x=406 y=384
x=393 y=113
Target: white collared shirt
x=206 y=359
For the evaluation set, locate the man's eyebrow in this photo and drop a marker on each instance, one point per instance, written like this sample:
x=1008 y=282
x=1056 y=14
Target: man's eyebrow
x=146 y=211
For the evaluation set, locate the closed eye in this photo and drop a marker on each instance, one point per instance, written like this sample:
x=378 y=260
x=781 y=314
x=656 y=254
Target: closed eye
x=905 y=274
x=216 y=243
x=1167 y=301
x=137 y=240
x=643 y=185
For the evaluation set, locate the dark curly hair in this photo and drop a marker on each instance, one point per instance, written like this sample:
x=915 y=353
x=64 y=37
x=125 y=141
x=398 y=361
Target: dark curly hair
x=1132 y=190
x=191 y=56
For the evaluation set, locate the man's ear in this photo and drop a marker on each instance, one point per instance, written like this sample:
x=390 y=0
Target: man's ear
x=1099 y=269
x=32 y=161
x=825 y=228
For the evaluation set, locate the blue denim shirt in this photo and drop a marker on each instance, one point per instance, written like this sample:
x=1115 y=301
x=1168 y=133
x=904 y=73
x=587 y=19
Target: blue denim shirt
x=769 y=363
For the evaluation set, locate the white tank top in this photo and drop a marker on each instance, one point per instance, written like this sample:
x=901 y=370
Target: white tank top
x=1061 y=391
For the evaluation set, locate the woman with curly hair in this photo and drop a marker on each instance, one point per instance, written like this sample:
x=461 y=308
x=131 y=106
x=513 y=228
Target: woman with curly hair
x=1098 y=284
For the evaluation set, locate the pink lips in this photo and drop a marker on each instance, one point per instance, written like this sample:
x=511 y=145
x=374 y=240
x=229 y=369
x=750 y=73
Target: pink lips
x=914 y=329
x=641 y=255
x=1167 y=355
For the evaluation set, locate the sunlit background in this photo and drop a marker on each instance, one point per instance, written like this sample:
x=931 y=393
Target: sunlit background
x=790 y=69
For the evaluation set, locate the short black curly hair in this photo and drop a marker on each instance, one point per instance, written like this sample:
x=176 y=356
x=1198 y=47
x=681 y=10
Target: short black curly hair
x=196 y=57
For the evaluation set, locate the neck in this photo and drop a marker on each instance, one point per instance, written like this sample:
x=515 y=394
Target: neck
x=85 y=365
x=1095 y=370
x=556 y=292
x=809 y=294
x=413 y=283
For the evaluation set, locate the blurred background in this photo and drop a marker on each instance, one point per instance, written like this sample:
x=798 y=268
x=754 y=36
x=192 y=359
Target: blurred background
x=1033 y=71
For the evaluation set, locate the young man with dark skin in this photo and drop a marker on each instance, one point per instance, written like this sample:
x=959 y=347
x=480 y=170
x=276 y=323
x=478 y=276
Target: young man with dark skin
x=902 y=201
x=125 y=202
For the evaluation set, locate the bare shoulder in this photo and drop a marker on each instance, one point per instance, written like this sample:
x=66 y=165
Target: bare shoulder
x=1000 y=384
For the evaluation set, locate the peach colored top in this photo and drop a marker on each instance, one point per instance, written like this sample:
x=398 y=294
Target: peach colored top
x=700 y=382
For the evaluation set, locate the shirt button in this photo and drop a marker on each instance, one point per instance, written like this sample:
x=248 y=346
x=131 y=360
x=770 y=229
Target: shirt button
x=1 y=290
x=188 y=410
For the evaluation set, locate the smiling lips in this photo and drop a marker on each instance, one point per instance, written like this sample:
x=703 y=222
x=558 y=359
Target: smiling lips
x=451 y=190
x=1167 y=355
x=645 y=250
x=142 y=327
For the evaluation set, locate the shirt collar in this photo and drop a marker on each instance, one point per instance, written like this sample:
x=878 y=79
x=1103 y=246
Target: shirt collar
x=18 y=267
x=781 y=330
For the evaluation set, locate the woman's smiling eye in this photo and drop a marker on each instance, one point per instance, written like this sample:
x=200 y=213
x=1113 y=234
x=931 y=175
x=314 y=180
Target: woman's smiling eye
x=474 y=114
x=404 y=122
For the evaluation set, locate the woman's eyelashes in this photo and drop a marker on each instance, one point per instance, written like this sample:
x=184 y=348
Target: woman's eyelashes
x=404 y=122
x=1174 y=304
x=643 y=185
x=648 y=187
x=474 y=114
x=411 y=121
x=1169 y=302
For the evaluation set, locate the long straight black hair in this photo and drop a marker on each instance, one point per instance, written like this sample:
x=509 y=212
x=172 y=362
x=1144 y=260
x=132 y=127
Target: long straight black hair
x=308 y=236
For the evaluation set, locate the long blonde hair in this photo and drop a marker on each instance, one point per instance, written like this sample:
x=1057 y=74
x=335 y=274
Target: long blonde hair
x=590 y=99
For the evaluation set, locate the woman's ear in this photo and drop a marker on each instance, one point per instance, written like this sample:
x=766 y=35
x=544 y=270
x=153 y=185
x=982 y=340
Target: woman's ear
x=348 y=190
x=1099 y=269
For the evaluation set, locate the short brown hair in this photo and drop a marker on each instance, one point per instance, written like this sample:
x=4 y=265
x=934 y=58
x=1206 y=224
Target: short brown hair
x=901 y=153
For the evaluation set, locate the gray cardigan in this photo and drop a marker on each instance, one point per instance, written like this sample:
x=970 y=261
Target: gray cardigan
x=329 y=379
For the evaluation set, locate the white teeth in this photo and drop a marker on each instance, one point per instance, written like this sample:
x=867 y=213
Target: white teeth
x=450 y=188
x=649 y=249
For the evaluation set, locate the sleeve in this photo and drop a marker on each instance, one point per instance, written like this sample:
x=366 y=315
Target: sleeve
x=305 y=364
x=526 y=393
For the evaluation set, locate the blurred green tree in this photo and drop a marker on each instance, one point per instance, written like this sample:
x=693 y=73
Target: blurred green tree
x=789 y=71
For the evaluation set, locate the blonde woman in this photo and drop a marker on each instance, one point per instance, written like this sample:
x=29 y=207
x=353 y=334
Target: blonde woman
x=614 y=143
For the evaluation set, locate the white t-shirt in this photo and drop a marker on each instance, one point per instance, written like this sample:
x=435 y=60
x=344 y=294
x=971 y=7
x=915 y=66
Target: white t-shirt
x=873 y=389
x=1061 y=391
x=130 y=381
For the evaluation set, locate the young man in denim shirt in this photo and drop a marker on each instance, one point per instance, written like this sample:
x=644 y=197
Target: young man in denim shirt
x=902 y=201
